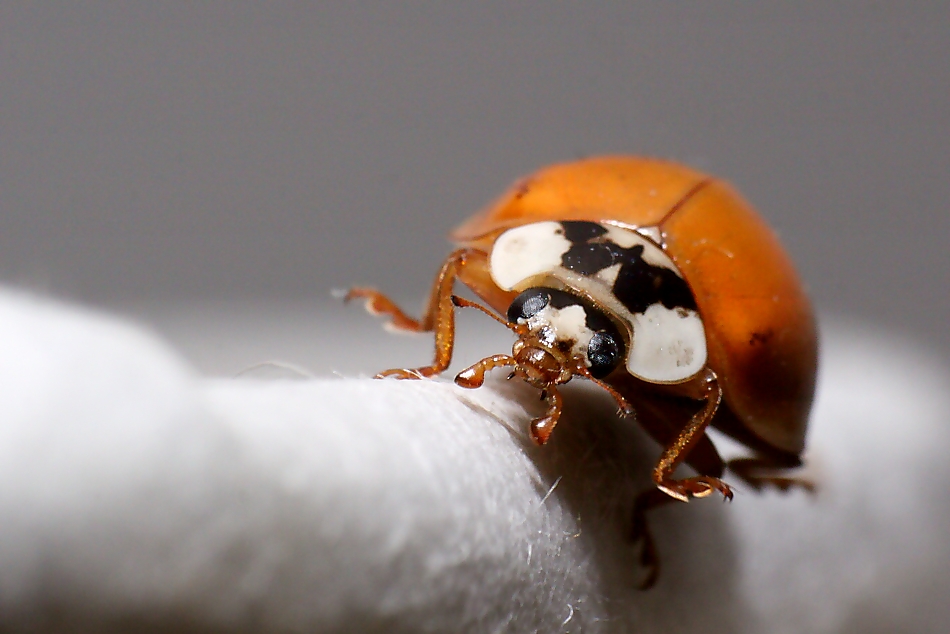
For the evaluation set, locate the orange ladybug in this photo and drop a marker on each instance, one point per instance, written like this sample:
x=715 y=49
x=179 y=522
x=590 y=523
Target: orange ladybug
x=656 y=282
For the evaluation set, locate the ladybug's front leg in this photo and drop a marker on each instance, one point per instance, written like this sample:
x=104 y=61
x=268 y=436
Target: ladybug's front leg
x=439 y=316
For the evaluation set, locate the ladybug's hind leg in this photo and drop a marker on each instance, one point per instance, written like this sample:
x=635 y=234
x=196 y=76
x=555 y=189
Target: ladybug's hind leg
x=439 y=316
x=765 y=471
x=640 y=533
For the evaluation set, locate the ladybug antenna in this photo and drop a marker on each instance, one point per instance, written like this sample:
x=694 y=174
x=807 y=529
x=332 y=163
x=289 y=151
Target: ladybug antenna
x=461 y=302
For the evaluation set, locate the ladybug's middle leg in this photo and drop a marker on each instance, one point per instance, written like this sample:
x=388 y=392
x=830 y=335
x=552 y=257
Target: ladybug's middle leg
x=439 y=315
x=675 y=453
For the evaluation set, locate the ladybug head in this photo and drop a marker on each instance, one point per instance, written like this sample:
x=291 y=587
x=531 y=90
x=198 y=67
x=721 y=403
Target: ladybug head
x=560 y=335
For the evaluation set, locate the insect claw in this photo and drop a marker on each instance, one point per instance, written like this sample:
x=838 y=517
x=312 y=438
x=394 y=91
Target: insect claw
x=511 y=375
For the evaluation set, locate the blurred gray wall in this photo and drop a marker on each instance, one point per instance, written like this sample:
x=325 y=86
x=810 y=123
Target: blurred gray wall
x=178 y=150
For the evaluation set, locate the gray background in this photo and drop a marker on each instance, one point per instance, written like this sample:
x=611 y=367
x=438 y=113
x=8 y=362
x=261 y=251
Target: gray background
x=270 y=152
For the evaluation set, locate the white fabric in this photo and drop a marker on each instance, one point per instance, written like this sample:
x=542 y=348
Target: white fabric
x=134 y=492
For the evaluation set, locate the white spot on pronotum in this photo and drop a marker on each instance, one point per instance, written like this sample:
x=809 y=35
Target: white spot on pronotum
x=647 y=237
x=669 y=345
x=609 y=275
x=527 y=251
x=622 y=237
x=653 y=233
x=652 y=254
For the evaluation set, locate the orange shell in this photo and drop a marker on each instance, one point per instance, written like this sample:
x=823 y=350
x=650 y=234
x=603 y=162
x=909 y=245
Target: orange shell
x=760 y=328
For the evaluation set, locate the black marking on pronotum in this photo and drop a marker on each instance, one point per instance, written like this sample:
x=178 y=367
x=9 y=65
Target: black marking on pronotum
x=589 y=252
x=639 y=284
x=577 y=231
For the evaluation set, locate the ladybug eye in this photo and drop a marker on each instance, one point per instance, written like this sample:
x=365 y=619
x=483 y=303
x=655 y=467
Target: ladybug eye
x=603 y=353
x=528 y=304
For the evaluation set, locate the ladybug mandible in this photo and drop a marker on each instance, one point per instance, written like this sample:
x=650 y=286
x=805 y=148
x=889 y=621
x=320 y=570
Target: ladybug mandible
x=656 y=282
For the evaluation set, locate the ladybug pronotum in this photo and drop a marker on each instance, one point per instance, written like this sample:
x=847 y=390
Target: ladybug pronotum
x=658 y=283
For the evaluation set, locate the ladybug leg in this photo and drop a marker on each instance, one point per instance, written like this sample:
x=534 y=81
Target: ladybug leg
x=379 y=304
x=439 y=316
x=697 y=486
x=640 y=532
x=750 y=470
x=474 y=376
x=625 y=407
x=542 y=426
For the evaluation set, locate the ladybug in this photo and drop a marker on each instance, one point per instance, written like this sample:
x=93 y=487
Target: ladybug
x=656 y=282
